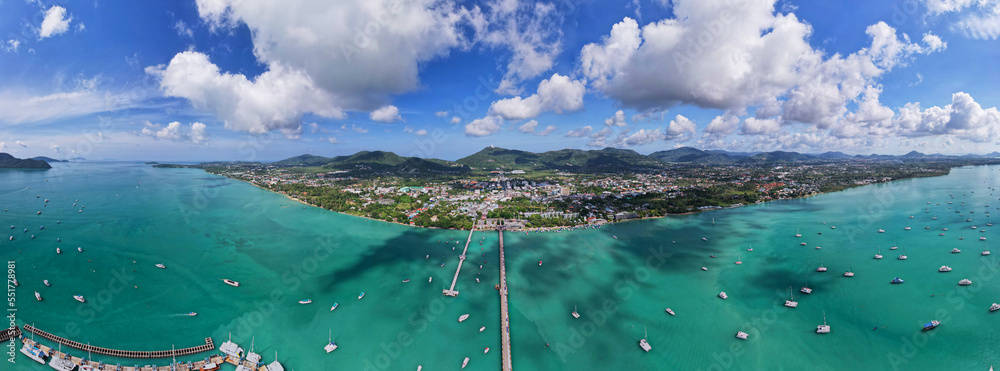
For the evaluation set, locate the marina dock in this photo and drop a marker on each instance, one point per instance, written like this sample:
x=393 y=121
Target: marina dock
x=209 y=345
x=461 y=259
x=10 y=333
x=179 y=366
x=504 y=313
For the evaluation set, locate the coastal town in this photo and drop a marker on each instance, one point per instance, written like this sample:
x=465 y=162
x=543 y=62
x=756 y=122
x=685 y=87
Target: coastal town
x=558 y=199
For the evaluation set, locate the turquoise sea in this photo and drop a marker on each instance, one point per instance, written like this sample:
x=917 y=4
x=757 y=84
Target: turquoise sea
x=205 y=227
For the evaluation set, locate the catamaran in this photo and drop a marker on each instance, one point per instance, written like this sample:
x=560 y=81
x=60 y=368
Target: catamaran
x=995 y=307
x=643 y=343
x=723 y=295
x=331 y=346
x=879 y=254
x=824 y=328
x=821 y=267
x=791 y=303
x=575 y=314
x=850 y=271
x=964 y=282
x=742 y=335
x=902 y=257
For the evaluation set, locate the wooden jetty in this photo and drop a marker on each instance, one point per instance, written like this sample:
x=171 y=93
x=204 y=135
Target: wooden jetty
x=209 y=345
x=461 y=259
x=10 y=333
x=179 y=366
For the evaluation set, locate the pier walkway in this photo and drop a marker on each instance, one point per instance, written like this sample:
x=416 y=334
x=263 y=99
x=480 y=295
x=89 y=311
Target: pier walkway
x=461 y=259
x=504 y=313
x=209 y=345
x=10 y=333
x=101 y=366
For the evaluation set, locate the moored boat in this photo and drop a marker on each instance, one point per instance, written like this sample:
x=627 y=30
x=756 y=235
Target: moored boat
x=334 y=306
x=723 y=295
x=931 y=325
x=742 y=335
x=305 y=301
x=575 y=314
x=38 y=296
x=995 y=307
x=463 y=317
x=643 y=343
x=670 y=311
x=944 y=268
x=896 y=280
x=964 y=282
x=361 y=296
x=465 y=362
x=79 y=298
x=824 y=328
x=231 y=282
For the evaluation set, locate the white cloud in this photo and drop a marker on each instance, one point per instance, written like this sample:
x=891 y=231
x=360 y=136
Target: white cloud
x=332 y=140
x=174 y=131
x=548 y=130
x=20 y=143
x=17 y=107
x=3 y=146
x=754 y=126
x=644 y=136
x=977 y=19
x=530 y=30
x=421 y=132
x=580 y=132
x=558 y=93
x=410 y=130
x=528 y=127
x=964 y=118
x=617 y=120
x=359 y=129
x=387 y=114
x=55 y=22
x=183 y=29
x=681 y=128
x=274 y=100
x=722 y=126
x=484 y=126
x=456 y=120
x=441 y=114
x=10 y=46
x=735 y=55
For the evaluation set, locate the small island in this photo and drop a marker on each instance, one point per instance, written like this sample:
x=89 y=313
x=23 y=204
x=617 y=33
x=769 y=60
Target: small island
x=10 y=162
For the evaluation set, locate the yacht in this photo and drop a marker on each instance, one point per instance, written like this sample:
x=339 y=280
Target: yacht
x=80 y=249
x=38 y=296
x=704 y=268
x=879 y=254
x=791 y=303
x=305 y=301
x=331 y=346
x=850 y=271
x=723 y=295
x=334 y=306
x=465 y=362
x=931 y=325
x=79 y=298
x=46 y=282
x=805 y=289
x=906 y=229
x=738 y=261
x=463 y=317
x=986 y=252
x=995 y=307
x=481 y=329
x=821 y=267
x=670 y=311
x=231 y=282
x=797 y=234
x=361 y=296
x=742 y=335
x=161 y=266
x=944 y=268
x=902 y=257
x=964 y=282
x=643 y=343
x=824 y=328
x=955 y=251
x=32 y=351
x=896 y=280
x=430 y=279
x=62 y=364
x=58 y=251
x=575 y=314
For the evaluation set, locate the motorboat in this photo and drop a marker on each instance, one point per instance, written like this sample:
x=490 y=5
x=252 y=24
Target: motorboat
x=361 y=296
x=487 y=350
x=964 y=282
x=723 y=295
x=192 y=314
x=334 y=306
x=38 y=296
x=79 y=298
x=161 y=266
x=931 y=325
x=742 y=335
x=46 y=282
x=704 y=268
x=465 y=362
x=955 y=251
x=406 y=280
x=944 y=268
x=231 y=282
x=481 y=329
x=995 y=307
x=305 y=301
x=670 y=311
x=463 y=317
x=896 y=280
x=881 y=230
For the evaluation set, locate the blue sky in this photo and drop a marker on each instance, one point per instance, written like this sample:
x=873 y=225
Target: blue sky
x=197 y=80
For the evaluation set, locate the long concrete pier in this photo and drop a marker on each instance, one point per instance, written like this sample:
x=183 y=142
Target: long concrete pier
x=504 y=313
x=461 y=259
x=209 y=345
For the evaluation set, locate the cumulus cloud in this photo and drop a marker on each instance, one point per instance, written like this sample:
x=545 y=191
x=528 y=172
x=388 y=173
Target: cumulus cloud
x=557 y=94
x=56 y=22
x=175 y=131
x=681 y=128
x=964 y=118
x=617 y=120
x=754 y=126
x=183 y=29
x=528 y=127
x=644 y=136
x=722 y=126
x=387 y=114
x=580 y=132
x=274 y=100
x=441 y=114
x=977 y=19
x=331 y=140
x=484 y=126
x=10 y=45
x=530 y=30
x=735 y=55
x=548 y=130
x=456 y=120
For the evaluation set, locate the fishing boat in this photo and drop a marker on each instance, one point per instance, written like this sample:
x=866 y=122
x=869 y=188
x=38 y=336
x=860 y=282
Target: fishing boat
x=955 y=251
x=995 y=307
x=878 y=255
x=670 y=311
x=575 y=314
x=305 y=301
x=38 y=296
x=944 y=268
x=361 y=296
x=791 y=303
x=723 y=295
x=465 y=362
x=231 y=282
x=824 y=328
x=931 y=325
x=79 y=298
x=964 y=282
x=463 y=317
x=331 y=346
x=643 y=343
x=161 y=266
x=742 y=335
x=334 y=306
x=896 y=280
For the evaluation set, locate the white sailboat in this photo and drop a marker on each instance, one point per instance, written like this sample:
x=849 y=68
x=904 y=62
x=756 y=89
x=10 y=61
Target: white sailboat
x=575 y=314
x=824 y=328
x=850 y=271
x=643 y=343
x=791 y=303
x=331 y=346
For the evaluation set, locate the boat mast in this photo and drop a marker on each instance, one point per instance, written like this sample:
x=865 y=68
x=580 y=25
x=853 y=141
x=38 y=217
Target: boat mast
x=824 y=318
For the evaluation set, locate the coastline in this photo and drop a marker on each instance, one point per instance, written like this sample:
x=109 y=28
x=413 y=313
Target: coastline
x=589 y=225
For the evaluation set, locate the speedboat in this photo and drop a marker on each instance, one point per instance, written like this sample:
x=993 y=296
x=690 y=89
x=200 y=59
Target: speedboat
x=192 y=314
x=465 y=362
x=58 y=251
x=881 y=231
x=80 y=249
x=46 y=282
x=964 y=282
x=161 y=266
x=486 y=351
x=429 y=279
x=334 y=306
x=944 y=268
x=79 y=298
x=406 y=280
x=38 y=296
x=361 y=296
x=896 y=280
x=671 y=311
x=955 y=251
x=481 y=329
x=231 y=282
x=802 y=243
x=463 y=317
x=704 y=268
x=742 y=335
x=995 y=307
x=723 y=295
x=931 y=325
x=305 y=301
x=906 y=229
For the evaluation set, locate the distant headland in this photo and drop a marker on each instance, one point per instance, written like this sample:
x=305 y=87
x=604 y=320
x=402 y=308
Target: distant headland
x=10 y=162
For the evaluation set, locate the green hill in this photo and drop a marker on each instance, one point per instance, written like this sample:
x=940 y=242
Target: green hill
x=10 y=162
x=304 y=160
x=605 y=160
x=381 y=161
x=694 y=156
